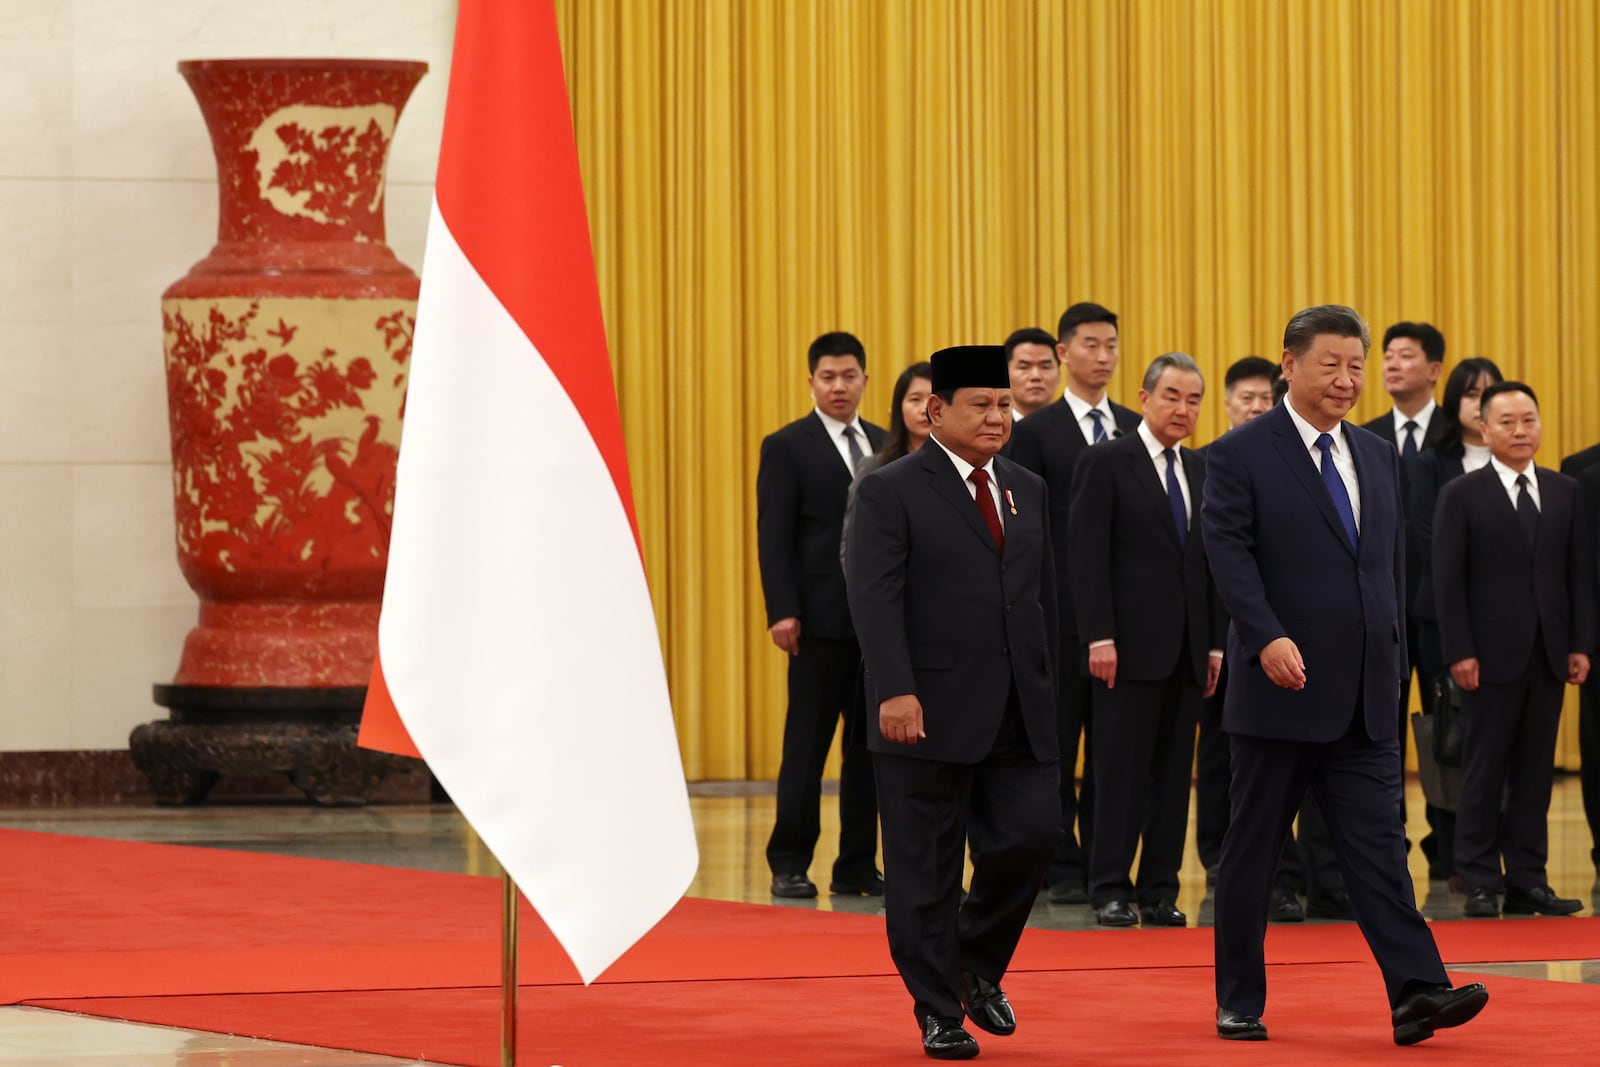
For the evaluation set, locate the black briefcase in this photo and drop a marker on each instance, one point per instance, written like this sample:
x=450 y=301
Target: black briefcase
x=1445 y=707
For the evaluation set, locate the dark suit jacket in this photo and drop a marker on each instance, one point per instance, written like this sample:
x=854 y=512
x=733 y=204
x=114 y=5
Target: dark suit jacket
x=944 y=614
x=1132 y=581
x=1581 y=460
x=801 y=488
x=1495 y=595
x=1588 y=478
x=1284 y=568
x=1383 y=426
x=1048 y=443
x=1428 y=474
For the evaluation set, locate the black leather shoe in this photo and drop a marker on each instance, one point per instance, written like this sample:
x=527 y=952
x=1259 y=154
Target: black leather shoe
x=1235 y=1026
x=1285 y=907
x=1437 y=1008
x=793 y=886
x=944 y=1039
x=1162 y=913
x=1331 y=906
x=1482 y=904
x=1116 y=913
x=1067 y=893
x=986 y=1005
x=1540 y=901
x=857 y=885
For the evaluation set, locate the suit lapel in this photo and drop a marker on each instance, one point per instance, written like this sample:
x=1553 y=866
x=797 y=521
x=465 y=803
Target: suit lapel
x=1500 y=505
x=818 y=435
x=1366 y=475
x=1293 y=452
x=1547 y=505
x=1194 y=471
x=946 y=482
x=875 y=434
x=1143 y=473
x=1072 y=439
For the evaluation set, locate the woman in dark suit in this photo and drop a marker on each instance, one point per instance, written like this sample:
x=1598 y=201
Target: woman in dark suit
x=1459 y=450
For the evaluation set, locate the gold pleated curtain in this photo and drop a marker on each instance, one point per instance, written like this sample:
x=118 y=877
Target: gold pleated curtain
x=925 y=172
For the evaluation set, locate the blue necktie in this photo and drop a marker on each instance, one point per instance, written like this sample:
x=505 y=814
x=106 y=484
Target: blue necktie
x=1099 y=425
x=1336 y=489
x=1180 y=514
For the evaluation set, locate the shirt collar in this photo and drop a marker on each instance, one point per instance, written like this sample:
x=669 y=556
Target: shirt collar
x=1421 y=418
x=1309 y=433
x=1155 y=447
x=1081 y=408
x=1508 y=476
x=835 y=428
x=964 y=468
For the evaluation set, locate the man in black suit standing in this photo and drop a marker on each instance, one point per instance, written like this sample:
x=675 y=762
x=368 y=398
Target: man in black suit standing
x=1153 y=628
x=801 y=487
x=952 y=589
x=1413 y=357
x=1513 y=582
x=1584 y=466
x=1305 y=537
x=1049 y=443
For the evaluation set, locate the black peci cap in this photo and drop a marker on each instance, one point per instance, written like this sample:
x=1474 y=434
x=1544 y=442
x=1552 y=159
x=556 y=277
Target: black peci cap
x=970 y=367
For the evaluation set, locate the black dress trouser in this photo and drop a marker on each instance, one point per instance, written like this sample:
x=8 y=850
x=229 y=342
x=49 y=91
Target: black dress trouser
x=1074 y=718
x=824 y=686
x=1357 y=785
x=1144 y=747
x=1508 y=745
x=1008 y=801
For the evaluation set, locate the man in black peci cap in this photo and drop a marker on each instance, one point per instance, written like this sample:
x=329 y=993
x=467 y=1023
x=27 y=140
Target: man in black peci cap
x=952 y=591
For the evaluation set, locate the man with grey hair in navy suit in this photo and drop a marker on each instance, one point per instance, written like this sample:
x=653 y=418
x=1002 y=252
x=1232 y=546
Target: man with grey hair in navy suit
x=1306 y=542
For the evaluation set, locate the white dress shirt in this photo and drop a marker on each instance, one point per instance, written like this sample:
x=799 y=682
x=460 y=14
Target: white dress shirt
x=835 y=430
x=1421 y=418
x=1508 y=478
x=1474 y=457
x=1343 y=461
x=965 y=469
x=1080 y=413
x=1155 y=448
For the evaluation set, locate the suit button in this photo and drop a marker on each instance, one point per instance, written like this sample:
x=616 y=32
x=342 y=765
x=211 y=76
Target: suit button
x=1008 y=609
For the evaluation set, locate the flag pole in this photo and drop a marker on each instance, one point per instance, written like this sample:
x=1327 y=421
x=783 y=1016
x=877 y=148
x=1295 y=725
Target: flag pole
x=508 y=970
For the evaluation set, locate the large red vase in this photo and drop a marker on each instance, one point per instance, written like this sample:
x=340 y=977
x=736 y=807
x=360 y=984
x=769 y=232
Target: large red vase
x=286 y=352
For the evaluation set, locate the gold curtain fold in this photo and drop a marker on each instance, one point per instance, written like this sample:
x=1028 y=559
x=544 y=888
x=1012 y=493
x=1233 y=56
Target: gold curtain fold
x=929 y=172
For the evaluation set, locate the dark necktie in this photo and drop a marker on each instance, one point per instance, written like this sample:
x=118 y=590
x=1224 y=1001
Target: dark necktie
x=1099 y=425
x=1527 y=511
x=1180 y=514
x=854 y=448
x=1409 y=449
x=1336 y=489
x=991 y=515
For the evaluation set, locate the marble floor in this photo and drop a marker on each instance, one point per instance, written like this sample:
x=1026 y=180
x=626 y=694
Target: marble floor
x=732 y=820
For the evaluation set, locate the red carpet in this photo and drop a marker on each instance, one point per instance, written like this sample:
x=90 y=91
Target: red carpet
x=406 y=962
x=1319 y=1014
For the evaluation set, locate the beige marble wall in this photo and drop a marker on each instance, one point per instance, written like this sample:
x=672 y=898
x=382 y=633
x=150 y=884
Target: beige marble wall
x=106 y=197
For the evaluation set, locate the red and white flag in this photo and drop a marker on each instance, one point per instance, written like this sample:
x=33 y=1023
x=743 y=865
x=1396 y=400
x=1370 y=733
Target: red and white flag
x=517 y=647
